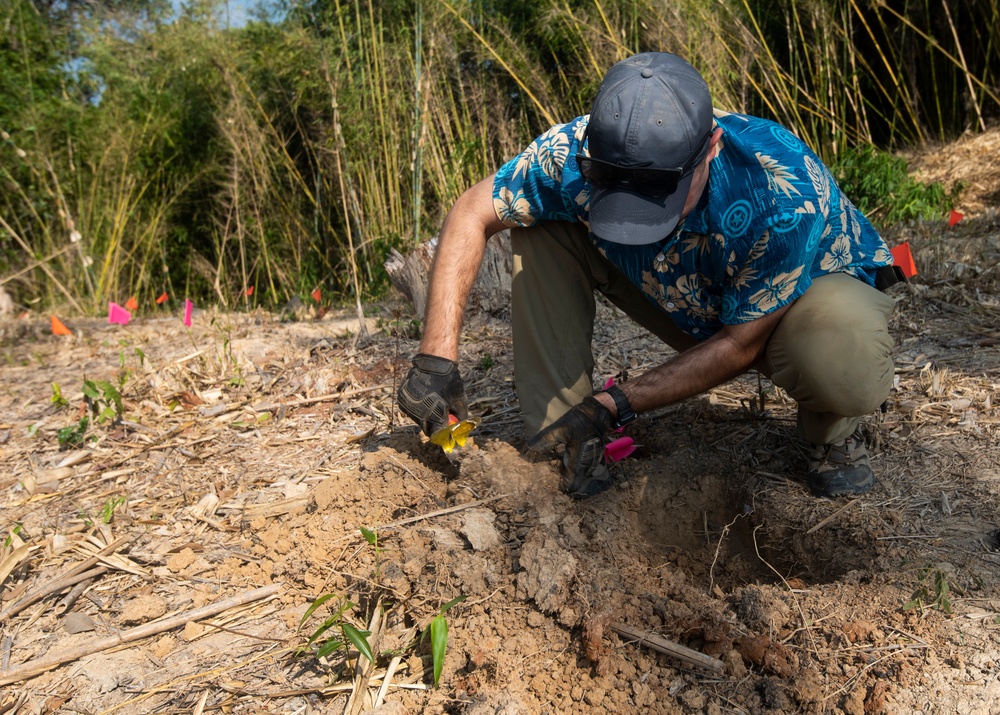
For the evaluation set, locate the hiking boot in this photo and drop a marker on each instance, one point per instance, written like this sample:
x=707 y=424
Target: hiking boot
x=840 y=469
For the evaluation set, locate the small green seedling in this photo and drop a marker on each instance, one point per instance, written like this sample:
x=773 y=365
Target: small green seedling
x=932 y=592
x=57 y=397
x=108 y=510
x=486 y=362
x=321 y=645
x=104 y=400
x=18 y=531
x=371 y=536
x=439 y=637
x=72 y=436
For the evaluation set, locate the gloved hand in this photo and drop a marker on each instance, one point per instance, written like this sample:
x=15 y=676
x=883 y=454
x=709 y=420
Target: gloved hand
x=578 y=437
x=432 y=390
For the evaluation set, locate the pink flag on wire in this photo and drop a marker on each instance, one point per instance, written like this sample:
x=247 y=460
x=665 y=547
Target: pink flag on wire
x=118 y=315
x=620 y=448
x=188 y=309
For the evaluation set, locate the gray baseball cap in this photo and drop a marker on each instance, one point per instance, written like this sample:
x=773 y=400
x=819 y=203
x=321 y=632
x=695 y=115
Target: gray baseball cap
x=648 y=130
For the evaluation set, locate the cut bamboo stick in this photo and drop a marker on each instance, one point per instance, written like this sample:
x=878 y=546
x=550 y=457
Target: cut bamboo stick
x=30 y=670
x=66 y=579
x=668 y=647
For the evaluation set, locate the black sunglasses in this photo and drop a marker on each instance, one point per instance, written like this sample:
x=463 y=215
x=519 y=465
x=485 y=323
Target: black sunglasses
x=641 y=179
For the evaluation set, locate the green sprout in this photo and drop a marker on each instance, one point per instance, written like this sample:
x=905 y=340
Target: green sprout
x=439 y=637
x=932 y=592
x=344 y=633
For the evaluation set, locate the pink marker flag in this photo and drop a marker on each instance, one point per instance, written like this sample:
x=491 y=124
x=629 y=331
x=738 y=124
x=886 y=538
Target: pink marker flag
x=188 y=308
x=620 y=448
x=118 y=315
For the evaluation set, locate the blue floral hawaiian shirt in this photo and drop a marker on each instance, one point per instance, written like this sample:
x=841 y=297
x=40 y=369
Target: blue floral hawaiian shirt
x=771 y=219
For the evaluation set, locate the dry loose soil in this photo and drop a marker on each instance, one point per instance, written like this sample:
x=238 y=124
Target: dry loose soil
x=259 y=466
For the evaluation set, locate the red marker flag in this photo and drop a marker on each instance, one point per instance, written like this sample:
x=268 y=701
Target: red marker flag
x=162 y=299
x=317 y=295
x=954 y=218
x=902 y=257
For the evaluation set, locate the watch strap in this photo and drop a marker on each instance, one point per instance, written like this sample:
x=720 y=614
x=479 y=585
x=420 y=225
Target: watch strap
x=625 y=412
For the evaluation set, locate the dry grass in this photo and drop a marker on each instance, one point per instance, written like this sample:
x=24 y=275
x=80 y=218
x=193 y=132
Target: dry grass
x=252 y=451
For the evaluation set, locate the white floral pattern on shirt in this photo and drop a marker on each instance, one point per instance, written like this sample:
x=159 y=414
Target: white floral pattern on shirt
x=773 y=220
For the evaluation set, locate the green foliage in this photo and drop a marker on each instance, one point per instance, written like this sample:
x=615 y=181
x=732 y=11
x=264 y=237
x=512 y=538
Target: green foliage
x=73 y=436
x=107 y=514
x=18 y=531
x=878 y=184
x=140 y=155
x=439 y=637
x=322 y=645
x=439 y=643
x=932 y=592
x=57 y=397
x=104 y=400
x=486 y=362
x=370 y=536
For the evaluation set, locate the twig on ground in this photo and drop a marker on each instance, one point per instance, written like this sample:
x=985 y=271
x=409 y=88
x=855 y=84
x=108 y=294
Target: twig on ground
x=67 y=601
x=31 y=669
x=333 y=397
x=832 y=516
x=669 y=647
x=442 y=512
x=67 y=579
x=387 y=678
x=363 y=666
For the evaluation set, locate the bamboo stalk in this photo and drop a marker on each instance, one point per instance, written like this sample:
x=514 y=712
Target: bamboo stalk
x=965 y=66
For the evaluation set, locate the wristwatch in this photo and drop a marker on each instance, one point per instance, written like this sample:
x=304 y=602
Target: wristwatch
x=625 y=412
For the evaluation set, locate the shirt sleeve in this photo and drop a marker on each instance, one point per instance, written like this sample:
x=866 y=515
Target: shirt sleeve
x=543 y=183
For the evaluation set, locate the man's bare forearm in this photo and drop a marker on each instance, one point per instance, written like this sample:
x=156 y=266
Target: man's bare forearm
x=459 y=255
x=728 y=353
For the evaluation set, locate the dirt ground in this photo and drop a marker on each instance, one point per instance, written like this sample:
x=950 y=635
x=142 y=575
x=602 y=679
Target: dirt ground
x=260 y=466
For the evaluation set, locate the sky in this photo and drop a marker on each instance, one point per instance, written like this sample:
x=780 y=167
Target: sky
x=238 y=11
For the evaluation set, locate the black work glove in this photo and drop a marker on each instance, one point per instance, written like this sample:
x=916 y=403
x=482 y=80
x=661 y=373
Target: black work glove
x=578 y=437
x=433 y=389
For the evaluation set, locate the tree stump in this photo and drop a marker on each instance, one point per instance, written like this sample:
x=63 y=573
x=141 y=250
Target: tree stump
x=490 y=293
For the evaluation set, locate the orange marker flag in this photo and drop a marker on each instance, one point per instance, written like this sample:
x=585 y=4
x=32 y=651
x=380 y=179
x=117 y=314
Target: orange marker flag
x=131 y=304
x=317 y=295
x=249 y=291
x=58 y=328
x=162 y=299
x=902 y=257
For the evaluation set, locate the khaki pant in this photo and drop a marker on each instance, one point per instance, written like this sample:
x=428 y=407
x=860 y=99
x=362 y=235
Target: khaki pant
x=831 y=352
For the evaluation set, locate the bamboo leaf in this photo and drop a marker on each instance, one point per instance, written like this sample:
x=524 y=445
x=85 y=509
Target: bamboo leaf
x=439 y=644
x=359 y=641
x=312 y=609
x=328 y=648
